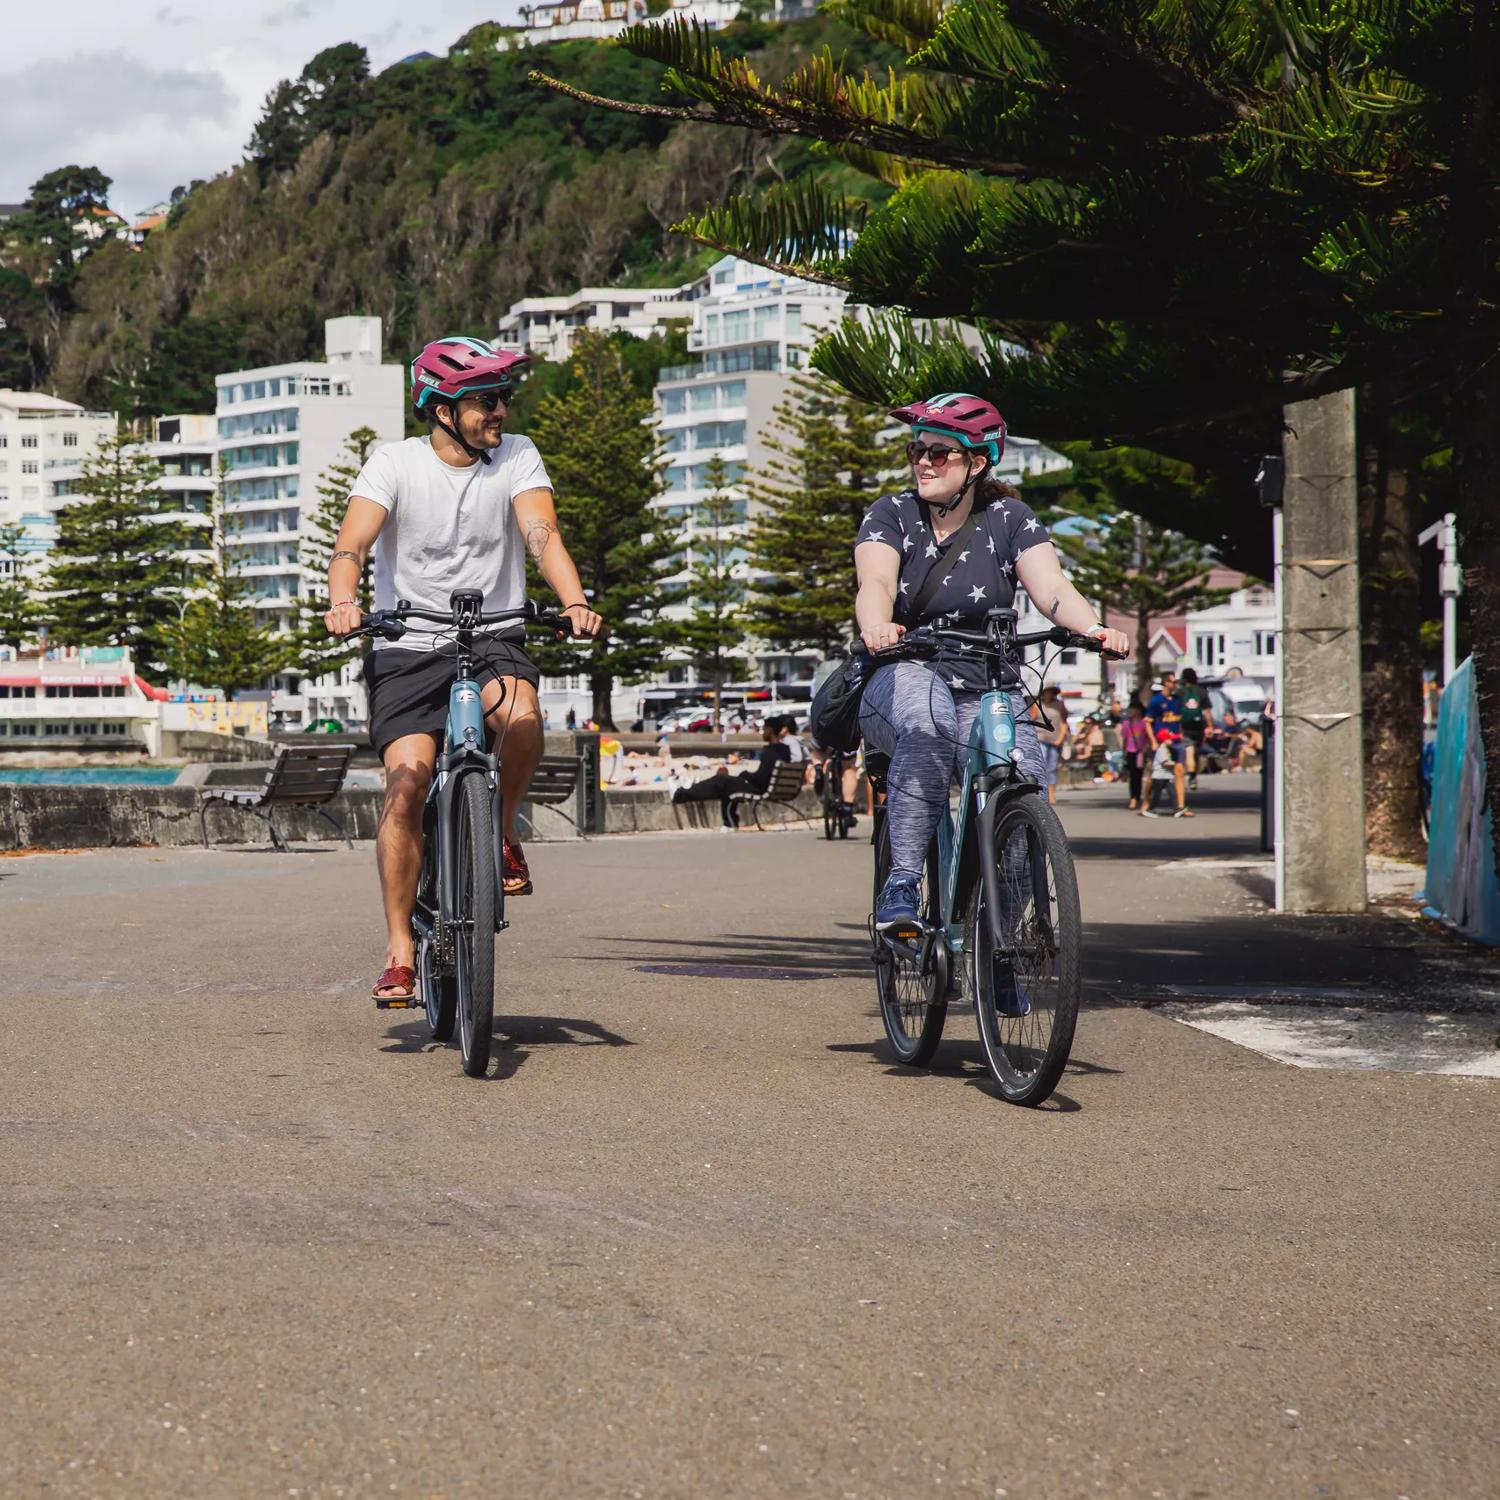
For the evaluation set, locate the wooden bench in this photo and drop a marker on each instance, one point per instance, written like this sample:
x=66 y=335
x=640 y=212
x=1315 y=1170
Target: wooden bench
x=787 y=781
x=300 y=776
x=555 y=783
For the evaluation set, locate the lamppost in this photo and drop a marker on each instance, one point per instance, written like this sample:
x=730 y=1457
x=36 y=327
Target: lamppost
x=1450 y=586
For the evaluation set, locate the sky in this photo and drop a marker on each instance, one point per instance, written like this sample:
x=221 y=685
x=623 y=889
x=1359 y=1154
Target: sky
x=155 y=94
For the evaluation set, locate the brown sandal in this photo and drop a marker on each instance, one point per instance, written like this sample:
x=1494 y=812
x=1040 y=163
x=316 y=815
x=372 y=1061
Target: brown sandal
x=401 y=979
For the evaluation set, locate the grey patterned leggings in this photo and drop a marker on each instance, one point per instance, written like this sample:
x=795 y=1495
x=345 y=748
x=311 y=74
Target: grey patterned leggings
x=910 y=714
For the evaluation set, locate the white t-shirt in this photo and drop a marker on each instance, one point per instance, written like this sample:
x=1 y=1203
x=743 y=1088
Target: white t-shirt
x=449 y=529
x=795 y=747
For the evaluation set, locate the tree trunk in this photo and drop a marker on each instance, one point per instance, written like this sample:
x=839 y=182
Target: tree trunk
x=1476 y=468
x=1390 y=626
x=602 y=686
x=1142 y=651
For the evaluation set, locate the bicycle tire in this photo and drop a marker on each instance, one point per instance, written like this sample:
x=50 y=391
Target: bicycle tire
x=1027 y=1053
x=474 y=940
x=828 y=820
x=913 y=1006
x=439 y=991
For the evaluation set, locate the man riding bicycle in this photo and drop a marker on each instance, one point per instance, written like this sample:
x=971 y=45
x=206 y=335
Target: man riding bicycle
x=919 y=713
x=458 y=509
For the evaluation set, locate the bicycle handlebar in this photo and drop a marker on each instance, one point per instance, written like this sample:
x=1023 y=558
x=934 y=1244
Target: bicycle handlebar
x=391 y=623
x=923 y=640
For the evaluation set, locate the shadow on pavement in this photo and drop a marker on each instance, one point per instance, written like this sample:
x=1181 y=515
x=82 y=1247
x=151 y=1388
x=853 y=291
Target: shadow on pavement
x=748 y=950
x=963 y=1059
x=517 y=1036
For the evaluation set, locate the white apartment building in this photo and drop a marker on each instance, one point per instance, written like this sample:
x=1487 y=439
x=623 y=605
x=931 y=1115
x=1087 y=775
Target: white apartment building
x=279 y=428
x=545 y=327
x=187 y=447
x=43 y=443
x=574 y=20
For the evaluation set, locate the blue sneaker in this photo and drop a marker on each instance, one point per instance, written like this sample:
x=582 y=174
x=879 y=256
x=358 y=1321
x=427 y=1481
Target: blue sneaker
x=1010 y=997
x=896 y=906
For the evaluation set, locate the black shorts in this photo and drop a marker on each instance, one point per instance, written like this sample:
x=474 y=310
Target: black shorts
x=408 y=690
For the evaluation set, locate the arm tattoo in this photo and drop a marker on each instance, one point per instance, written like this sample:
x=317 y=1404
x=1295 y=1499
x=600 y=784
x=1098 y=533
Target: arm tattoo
x=1056 y=605
x=353 y=557
x=538 y=534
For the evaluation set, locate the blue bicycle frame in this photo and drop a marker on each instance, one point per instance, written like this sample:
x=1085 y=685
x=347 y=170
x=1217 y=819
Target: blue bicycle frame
x=991 y=779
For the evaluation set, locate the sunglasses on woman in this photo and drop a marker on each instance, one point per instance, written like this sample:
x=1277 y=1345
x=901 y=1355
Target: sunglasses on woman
x=937 y=454
x=491 y=400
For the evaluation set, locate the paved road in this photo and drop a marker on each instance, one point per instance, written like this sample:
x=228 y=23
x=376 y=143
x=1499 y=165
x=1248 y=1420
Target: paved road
x=697 y=1236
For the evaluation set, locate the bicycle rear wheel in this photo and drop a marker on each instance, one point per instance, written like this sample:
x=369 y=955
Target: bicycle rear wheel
x=913 y=1004
x=1026 y=990
x=474 y=941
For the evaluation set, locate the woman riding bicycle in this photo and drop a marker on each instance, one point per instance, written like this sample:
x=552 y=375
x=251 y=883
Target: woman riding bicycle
x=919 y=712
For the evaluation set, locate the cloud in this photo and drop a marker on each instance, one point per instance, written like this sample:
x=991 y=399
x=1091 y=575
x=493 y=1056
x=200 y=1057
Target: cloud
x=136 y=122
x=281 y=15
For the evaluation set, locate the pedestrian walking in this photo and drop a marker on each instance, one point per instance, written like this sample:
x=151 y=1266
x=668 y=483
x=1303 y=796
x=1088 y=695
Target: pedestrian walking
x=1197 y=721
x=1054 y=740
x=1139 y=745
x=1167 y=765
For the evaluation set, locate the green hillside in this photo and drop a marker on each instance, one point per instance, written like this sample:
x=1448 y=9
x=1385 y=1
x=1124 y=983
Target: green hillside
x=433 y=194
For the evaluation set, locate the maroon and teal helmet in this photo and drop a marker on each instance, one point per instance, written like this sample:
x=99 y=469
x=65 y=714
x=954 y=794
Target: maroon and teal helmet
x=449 y=368
x=973 y=421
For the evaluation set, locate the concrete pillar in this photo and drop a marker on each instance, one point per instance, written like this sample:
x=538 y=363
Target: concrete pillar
x=1320 y=865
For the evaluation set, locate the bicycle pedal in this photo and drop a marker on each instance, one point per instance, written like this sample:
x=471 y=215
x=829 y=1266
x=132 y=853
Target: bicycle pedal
x=398 y=1002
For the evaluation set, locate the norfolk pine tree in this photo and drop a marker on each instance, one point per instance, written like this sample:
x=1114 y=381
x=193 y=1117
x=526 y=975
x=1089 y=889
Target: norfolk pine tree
x=18 y=613
x=116 y=573
x=715 y=625
x=828 y=467
x=602 y=455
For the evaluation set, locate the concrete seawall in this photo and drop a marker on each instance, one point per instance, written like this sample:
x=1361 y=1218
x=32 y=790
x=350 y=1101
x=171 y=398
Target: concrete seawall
x=93 y=817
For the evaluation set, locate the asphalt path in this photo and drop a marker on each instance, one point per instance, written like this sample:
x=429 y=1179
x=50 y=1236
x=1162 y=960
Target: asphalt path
x=696 y=1235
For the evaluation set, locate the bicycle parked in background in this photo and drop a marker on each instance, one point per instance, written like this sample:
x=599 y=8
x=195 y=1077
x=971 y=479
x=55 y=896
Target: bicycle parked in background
x=838 y=815
x=460 y=899
x=999 y=895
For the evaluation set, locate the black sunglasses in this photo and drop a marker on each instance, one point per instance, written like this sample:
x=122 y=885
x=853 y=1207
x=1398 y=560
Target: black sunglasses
x=937 y=454
x=491 y=400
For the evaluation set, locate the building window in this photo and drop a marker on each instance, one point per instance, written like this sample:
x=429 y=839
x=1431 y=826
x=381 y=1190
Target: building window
x=673 y=402
x=1265 y=643
x=1209 y=650
x=70 y=440
x=28 y=440
x=793 y=319
x=736 y=326
x=732 y=392
x=61 y=729
x=59 y=692
x=765 y=321
x=29 y=466
x=112 y=729
x=702 y=397
x=4 y=440
x=26 y=729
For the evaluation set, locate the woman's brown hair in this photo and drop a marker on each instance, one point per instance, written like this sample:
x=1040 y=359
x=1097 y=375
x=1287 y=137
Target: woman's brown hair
x=991 y=491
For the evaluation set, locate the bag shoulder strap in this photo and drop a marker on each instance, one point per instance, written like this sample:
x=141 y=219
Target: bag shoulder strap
x=933 y=581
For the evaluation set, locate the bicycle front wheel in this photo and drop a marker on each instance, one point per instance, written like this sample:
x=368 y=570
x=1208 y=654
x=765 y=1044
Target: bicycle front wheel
x=474 y=941
x=913 y=1004
x=1026 y=987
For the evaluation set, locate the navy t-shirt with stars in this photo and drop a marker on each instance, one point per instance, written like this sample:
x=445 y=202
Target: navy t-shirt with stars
x=978 y=579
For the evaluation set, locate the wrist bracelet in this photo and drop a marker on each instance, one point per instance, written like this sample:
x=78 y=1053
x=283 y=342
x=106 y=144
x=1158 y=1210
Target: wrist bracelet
x=341 y=602
x=567 y=607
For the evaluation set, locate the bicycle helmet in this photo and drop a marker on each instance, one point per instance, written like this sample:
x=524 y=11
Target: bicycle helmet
x=956 y=414
x=447 y=369
x=976 y=425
